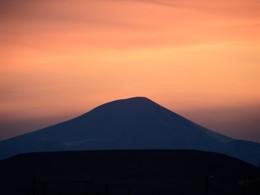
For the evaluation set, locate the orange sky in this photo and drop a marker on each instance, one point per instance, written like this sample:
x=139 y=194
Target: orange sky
x=60 y=58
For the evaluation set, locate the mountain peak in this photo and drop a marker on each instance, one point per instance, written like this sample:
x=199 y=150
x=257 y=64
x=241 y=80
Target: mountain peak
x=137 y=102
x=138 y=99
x=132 y=123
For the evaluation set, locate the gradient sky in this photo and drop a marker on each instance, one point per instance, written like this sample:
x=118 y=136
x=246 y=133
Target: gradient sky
x=199 y=58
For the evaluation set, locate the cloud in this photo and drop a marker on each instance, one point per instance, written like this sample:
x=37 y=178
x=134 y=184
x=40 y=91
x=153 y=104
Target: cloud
x=191 y=53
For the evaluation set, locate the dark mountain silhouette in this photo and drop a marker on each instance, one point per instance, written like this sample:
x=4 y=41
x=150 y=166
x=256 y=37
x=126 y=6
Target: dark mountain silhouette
x=135 y=123
x=150 y=171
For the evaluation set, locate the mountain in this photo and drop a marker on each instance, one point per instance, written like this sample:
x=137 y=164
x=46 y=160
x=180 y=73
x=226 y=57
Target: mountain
x=135 y=123
x=149 y=171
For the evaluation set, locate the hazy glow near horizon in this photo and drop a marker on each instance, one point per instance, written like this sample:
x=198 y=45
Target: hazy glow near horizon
x=65 y=56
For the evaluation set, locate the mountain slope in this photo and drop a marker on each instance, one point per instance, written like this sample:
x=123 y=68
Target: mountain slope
x=135 y=123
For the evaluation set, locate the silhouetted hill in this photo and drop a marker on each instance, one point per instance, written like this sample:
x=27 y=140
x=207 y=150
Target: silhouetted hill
x=135 y=123
x=151 y=171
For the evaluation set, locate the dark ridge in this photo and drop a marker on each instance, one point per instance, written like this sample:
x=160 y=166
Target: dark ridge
x=151 y=171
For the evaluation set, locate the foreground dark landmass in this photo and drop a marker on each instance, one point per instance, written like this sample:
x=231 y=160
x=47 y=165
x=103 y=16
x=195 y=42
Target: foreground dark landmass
x=150 y=171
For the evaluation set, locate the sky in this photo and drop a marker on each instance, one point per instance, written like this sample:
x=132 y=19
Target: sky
x=199 y=58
